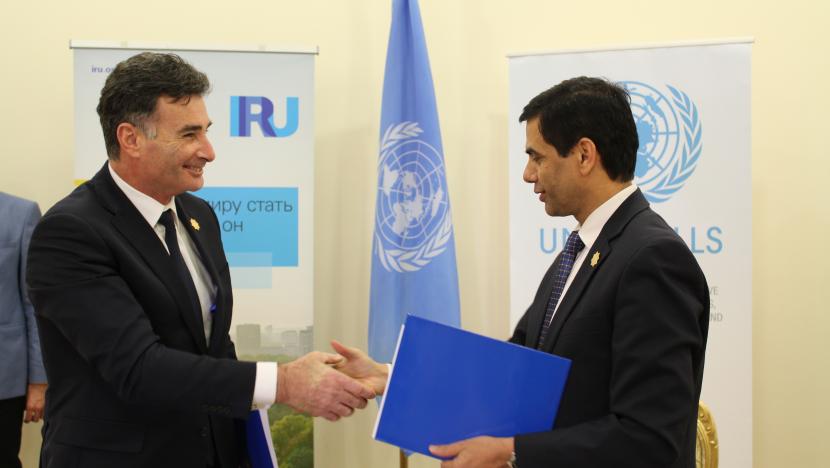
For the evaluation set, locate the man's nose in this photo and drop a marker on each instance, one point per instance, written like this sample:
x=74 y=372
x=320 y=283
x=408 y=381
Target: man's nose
x=206 y=149
x=529 y=174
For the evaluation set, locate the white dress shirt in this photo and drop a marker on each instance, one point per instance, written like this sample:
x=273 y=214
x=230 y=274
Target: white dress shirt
x=265 y=386
x=589 y=231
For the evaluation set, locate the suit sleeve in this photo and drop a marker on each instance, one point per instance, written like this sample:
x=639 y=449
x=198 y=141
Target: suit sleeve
x=76 y=288
x=520 y=332
x=660 y=301
x=36 y=372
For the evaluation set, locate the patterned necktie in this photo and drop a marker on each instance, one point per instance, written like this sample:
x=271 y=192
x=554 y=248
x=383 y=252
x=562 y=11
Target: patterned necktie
x=572 y=248
x=172 y=242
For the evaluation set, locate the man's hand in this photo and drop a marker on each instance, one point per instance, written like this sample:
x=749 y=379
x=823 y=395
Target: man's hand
x=359 y=366
x=309 y=384
x=478 y=452
x=35 y=401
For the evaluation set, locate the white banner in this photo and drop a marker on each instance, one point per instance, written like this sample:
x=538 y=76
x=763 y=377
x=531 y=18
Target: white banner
x=691 y=104
x=261 y=185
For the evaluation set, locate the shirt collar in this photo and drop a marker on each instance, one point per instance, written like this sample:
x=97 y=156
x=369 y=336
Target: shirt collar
x=590 y=229
x=149 y=208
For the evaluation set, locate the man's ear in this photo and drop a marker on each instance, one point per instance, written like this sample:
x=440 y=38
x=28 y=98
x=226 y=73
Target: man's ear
x=587 y=155
x=130 y=138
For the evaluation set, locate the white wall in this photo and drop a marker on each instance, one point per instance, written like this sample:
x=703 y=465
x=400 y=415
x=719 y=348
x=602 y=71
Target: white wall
x=468 y=41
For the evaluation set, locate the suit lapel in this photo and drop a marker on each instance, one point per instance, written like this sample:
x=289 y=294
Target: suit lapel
x=601 y=250
x=129 y=222
x=199 y=241
x=575 y=290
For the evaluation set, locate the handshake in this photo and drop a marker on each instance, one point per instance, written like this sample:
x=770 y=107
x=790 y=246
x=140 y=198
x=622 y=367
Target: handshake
x=334 y=385
x=331 y=385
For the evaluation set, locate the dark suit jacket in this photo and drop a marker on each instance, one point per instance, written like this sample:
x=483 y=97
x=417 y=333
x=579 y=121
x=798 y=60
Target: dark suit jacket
x=132 y=382
x=635 y=327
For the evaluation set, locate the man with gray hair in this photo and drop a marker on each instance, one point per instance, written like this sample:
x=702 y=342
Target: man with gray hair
x=132 y=293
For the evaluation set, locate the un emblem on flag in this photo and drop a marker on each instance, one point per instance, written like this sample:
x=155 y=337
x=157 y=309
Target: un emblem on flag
x=412 y=224
x=669 y=130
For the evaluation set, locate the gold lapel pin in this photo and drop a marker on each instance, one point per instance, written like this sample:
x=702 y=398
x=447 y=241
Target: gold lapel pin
x=194 y=223
x=595 y=259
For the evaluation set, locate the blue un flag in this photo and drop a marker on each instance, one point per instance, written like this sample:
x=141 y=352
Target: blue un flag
x=413 y=253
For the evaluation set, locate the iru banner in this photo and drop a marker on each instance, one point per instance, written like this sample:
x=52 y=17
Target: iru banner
x=691 y=104
x=260 y=186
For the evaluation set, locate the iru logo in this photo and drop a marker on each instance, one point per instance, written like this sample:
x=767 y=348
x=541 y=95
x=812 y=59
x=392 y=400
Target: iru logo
x=249 y=110
x=670 y=134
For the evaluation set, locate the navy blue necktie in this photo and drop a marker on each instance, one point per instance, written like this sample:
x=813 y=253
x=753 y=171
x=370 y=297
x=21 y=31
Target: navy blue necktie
x=572 y=248
x=167 y=220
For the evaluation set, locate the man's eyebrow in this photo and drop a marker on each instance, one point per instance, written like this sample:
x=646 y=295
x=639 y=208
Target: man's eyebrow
x=193 y=128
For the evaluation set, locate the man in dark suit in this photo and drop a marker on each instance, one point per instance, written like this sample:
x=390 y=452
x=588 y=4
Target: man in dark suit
x=22 y=378
x=625 y=300
x=133 y=297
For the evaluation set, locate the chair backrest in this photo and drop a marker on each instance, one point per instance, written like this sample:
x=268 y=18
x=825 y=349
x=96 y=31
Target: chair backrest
x=706 y=453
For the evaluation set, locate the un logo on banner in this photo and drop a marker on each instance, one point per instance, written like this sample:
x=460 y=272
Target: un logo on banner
x=670 y=133
x=412 y=224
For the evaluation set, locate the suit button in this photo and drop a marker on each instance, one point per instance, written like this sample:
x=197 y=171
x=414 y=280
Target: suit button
x=204 y=432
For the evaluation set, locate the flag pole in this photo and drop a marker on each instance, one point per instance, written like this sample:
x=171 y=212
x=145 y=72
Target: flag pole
x=404 y=460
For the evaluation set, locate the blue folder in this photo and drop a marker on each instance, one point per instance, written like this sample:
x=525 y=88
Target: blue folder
x=448 y=384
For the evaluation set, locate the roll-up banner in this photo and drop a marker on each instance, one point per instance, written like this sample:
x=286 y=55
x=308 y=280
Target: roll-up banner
x=691 y=104
x=261 y=187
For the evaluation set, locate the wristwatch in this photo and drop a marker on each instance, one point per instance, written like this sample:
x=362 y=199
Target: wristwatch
x=512 y=462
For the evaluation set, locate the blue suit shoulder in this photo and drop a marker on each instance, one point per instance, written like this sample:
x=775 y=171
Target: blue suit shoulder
x=14 y=205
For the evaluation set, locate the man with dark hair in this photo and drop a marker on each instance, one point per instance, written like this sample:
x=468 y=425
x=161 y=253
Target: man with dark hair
x=131 y=94
x=133 y=297
x=625 y=300
x=592 y=108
